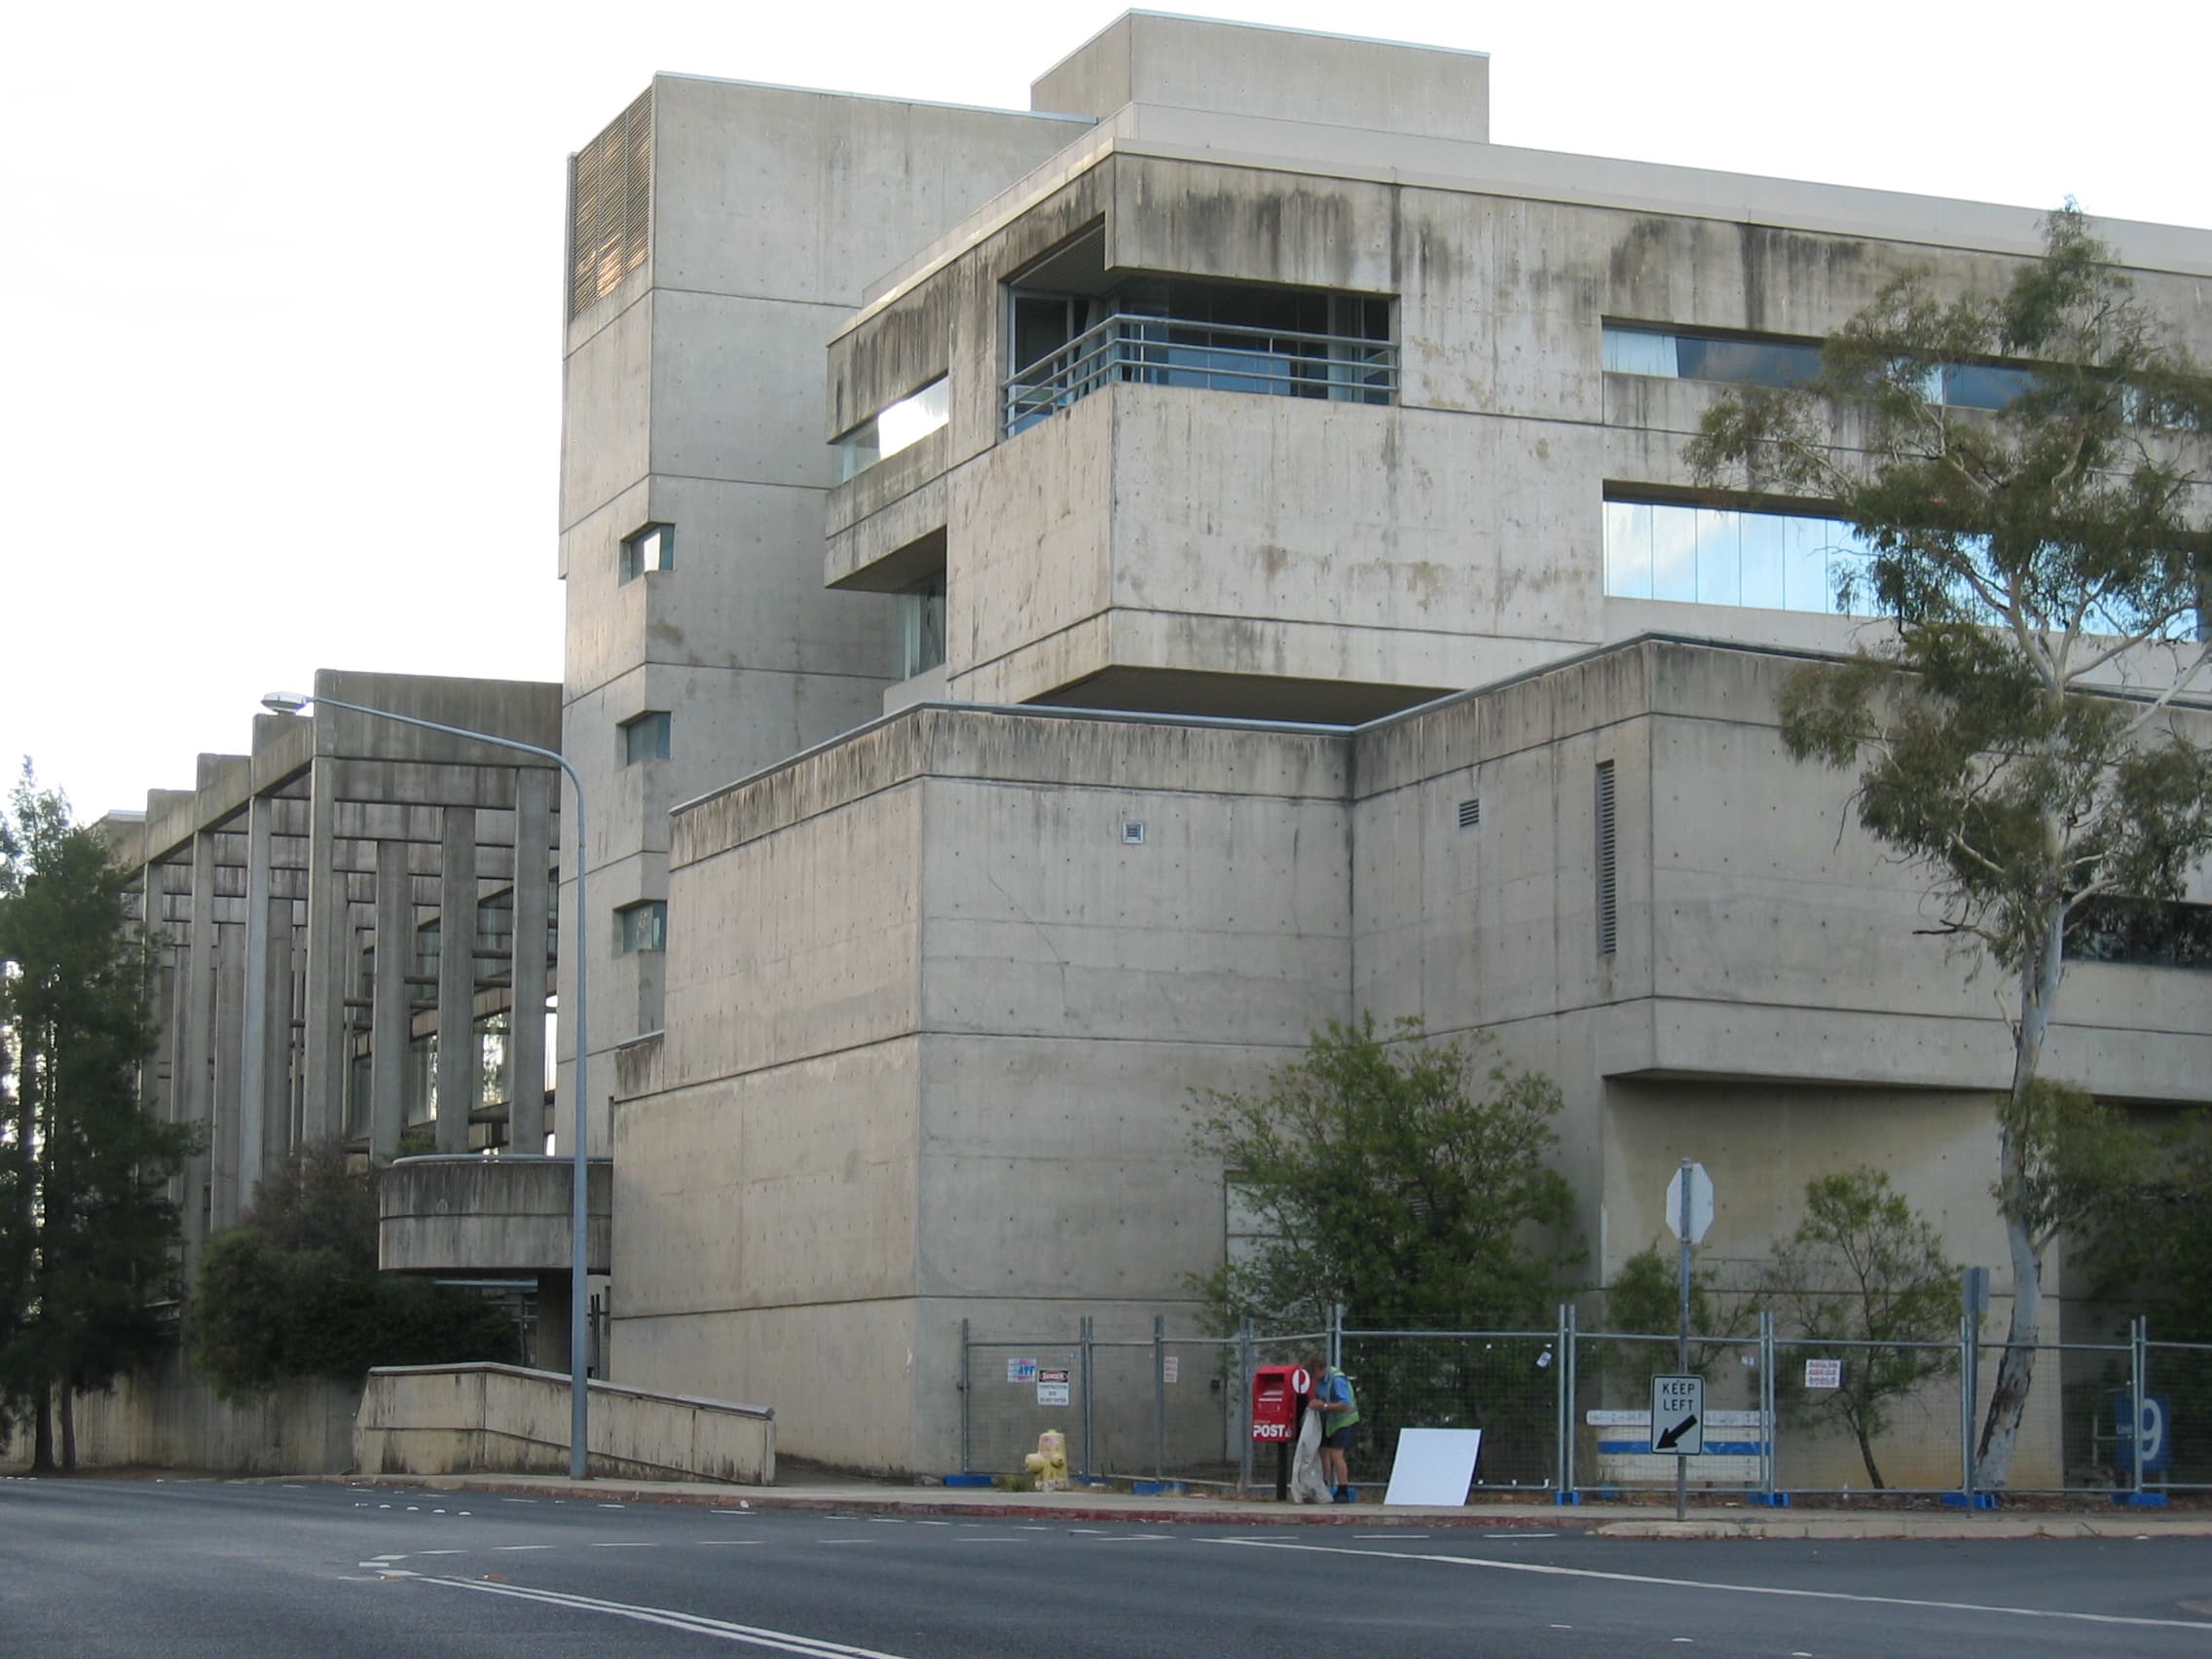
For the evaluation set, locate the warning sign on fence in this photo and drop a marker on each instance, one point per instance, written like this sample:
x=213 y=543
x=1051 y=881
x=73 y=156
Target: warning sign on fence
x=1053 y=1387
x=1021 y=1371
x=1823 y=1374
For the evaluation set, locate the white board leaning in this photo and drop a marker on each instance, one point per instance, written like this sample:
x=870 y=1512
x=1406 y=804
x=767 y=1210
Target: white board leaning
x=1434 y=1465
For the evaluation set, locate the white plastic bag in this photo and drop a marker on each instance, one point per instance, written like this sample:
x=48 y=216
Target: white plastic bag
x=1308 y=1484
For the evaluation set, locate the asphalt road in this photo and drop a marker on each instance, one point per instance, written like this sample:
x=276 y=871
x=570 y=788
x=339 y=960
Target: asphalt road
x=191 y=1568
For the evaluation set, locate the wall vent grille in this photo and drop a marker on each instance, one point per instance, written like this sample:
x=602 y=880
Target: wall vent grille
x=611 y=206
x=1608 y=913
x=1470 y=814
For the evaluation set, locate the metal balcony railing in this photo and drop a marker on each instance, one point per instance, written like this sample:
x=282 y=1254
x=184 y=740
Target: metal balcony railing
x=1208 y=357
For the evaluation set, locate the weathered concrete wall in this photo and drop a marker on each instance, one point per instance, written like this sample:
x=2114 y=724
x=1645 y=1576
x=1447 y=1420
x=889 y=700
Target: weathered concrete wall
x=1450 y=540
x=489 y=1215
x=502 y=1419
x=1242 y=69
x=939 y=1014
x=693 y=397
x=168 y=1417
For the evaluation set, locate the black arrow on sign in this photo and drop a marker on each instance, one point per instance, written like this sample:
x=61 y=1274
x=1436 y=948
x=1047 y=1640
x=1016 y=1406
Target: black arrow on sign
x=1676 y=1433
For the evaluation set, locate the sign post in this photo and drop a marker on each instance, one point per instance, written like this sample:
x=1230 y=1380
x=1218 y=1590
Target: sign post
x=1689 y=1213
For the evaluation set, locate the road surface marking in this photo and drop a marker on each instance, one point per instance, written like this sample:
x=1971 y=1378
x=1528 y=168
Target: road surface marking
x=1706 y=1584
x=441 y=1552
x=511 y=1549
x=621 y=1546
x=673 y=1619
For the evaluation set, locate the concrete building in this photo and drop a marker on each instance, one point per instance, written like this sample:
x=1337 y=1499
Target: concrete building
x=1060 y=604
x=1192 y=436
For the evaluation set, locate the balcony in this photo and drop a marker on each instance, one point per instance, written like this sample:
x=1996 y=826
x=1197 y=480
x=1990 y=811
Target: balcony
x=1205 y=356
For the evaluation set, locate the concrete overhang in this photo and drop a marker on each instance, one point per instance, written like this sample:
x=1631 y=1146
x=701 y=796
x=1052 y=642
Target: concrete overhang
x=462 y=1213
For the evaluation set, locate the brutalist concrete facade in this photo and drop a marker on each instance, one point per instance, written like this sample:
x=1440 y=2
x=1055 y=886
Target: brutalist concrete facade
x=917 y=1042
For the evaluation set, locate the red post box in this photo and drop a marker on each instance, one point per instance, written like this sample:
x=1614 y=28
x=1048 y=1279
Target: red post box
x=1278 y=1395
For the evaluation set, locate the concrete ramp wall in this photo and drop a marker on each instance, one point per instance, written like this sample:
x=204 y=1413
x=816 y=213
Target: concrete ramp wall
x=451 y=1419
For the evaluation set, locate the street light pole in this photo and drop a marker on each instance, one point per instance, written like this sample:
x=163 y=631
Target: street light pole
x=579 y=1289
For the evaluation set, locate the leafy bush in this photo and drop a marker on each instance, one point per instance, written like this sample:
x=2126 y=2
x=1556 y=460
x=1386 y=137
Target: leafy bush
x=295 y=1292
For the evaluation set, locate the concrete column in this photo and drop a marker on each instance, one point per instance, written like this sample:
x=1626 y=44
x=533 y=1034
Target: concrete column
x=229 y=1184
x=459 y=1066
x=260 y=1012
x=322 y=1108
x=392 y=1017
x=526 y=1036
x=275 y=1124
x=196 y=1056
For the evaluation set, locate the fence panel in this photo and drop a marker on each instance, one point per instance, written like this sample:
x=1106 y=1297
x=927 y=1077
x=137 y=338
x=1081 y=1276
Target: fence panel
x=1503 y=1382
x=2071 y=1437
x=1015 y=1391
x=1612 y=1413
x=1859 y=1415
x=2177 y=1429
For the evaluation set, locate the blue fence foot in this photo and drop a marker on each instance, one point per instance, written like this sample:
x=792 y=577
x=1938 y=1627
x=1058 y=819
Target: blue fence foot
x=967 y=1480
x=1970 y=1499
x=2140 y=1500
x=1767 y=1499
x=1564 y=1496
x=1157 y=1489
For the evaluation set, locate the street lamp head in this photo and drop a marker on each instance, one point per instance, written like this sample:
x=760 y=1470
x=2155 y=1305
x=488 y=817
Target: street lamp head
x=285 y=702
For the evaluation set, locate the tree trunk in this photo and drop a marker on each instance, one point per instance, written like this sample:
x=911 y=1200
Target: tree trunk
x=1865 y=1453
x=42 y=1434
x=2001 y=1429
x=69 y=1428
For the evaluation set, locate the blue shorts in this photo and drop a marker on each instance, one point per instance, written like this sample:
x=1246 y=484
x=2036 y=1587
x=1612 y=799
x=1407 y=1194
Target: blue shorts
x=1340 y=1439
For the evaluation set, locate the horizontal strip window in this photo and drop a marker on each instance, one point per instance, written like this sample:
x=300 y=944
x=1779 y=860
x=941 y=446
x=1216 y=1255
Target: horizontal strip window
x=1204 y=356
x=2141 y=932
x=1724 y=556
x=899 y=427
x=1745 y=359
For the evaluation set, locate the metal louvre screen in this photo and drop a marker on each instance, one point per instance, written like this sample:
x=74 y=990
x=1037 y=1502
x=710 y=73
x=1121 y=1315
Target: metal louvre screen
x=611 y=206
x=1608 y=914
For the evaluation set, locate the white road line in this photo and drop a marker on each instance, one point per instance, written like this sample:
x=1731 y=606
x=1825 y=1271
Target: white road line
x=1732 y=1589
x=741 y=1543
x=623 y=1546
x=1495 y=1536
x=671 y=1618
x=518 y=1501
x=441 y=1552
x=1401 y=1537
x=513 y=1549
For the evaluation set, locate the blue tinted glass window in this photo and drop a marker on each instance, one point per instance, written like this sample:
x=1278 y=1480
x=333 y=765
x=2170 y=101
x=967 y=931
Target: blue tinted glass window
x=1747 y=362
x=1628 y=549
x=1981 y=385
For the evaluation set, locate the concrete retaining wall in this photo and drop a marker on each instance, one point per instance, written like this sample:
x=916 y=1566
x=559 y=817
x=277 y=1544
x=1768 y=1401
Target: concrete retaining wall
x=450 y=1420
x=168 y=1417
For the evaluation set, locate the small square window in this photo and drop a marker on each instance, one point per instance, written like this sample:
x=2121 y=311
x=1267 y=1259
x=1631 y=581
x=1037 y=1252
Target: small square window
x=644 y=738
x=1132 y=832
x=653 y=548
x=641 y=927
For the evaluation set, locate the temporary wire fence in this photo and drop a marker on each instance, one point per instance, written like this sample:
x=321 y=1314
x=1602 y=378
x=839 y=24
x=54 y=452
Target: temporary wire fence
x=1571 y=1411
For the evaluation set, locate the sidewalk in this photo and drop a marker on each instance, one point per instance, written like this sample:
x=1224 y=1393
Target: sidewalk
x=1602 y=1520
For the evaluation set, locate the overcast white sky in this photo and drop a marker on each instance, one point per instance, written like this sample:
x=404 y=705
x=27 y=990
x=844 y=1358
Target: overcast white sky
x=279 y=372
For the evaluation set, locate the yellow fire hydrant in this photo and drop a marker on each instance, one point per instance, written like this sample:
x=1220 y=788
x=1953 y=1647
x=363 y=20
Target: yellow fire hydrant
x=1050 y=1462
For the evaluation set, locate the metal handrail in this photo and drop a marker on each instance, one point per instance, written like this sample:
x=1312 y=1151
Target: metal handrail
x=1170 y=350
